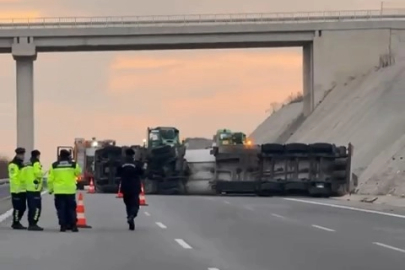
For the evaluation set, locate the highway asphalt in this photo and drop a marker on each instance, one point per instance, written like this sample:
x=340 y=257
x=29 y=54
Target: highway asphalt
x=211 y=233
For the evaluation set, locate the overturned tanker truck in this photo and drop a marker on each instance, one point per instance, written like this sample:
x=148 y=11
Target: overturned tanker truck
x=236 y=163
x=320 y=169
x=107 y=159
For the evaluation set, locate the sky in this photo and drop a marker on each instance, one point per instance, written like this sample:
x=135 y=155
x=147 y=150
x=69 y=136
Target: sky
x=118 y=95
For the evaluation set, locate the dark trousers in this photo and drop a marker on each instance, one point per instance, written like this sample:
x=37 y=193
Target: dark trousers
x=132 y=204
x=19 y=202
x=65 y=205
x=34 y=202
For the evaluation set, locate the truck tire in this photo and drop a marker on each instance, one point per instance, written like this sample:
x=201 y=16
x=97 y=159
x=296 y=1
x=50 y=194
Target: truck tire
x=324 y=148
x=340 y=164
x=342 y=150
x=272 y=148
x=297 y=148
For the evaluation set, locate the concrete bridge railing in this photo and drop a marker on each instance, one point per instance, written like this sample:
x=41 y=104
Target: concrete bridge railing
x=193 y=19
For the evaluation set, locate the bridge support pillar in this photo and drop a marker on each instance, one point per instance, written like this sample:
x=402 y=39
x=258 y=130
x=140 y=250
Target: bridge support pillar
x=24 y=53
x=308 y=78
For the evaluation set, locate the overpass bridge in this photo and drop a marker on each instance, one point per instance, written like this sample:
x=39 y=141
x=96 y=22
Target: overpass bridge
x=336 y=45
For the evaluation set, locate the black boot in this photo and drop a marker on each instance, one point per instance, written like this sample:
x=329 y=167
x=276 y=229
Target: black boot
x=18 y=226
x=74 y=229
x=131 y=223
x=63 y=228
x=35 y=227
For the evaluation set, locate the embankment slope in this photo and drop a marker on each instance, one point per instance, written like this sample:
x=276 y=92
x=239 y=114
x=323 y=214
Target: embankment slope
x=369 y=112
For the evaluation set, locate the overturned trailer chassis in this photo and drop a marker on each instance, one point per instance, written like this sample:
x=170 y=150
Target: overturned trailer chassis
x=167 y=171
x=320 y=169
x=236 y=169
x=107 y=161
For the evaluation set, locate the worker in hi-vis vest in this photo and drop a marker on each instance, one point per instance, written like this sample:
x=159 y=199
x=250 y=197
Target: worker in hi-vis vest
x=62 y=182
x=17 y=188
x=33 y=176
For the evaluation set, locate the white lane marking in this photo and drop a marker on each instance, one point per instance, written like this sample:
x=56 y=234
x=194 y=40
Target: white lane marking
x=213 y=268
x=8 y=214
x=346 y=208
x=389 y=247
x=147 y=214
x=183 y=244
x=161 y=225
x=278 y=216
x=227 y=202
x=323 y=228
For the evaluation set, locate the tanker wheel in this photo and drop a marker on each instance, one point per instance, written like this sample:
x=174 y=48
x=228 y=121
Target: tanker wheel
x=150 y=187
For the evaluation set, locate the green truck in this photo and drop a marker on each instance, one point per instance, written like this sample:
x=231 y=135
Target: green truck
x=166 y=170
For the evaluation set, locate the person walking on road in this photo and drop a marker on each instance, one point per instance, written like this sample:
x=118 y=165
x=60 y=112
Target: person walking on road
x=62 y=183
x=17 y=188
x=32 y=174
x=131 y=172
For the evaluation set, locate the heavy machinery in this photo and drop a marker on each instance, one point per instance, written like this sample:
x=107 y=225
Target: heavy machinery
x=320 y=169
x=167 y=168
x=236 y=163
x=107 y=159
x=83 y=152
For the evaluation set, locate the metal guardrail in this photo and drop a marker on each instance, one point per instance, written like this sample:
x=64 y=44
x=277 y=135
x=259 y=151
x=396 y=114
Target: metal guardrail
x=202 y=19
x=3 y=181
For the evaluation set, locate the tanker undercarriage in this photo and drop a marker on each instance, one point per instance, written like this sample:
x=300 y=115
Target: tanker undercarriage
x=236 y=169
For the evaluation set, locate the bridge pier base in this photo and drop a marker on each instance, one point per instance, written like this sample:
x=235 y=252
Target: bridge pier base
x=24 y=53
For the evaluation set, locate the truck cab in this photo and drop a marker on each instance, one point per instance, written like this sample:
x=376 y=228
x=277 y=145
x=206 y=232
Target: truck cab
x=161 y=136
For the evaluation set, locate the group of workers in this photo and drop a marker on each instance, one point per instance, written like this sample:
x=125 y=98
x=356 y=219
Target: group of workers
x=26 y=186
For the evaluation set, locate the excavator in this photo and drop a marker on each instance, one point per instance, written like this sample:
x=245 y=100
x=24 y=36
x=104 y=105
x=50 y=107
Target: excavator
x=236 y=163
x=166 y=167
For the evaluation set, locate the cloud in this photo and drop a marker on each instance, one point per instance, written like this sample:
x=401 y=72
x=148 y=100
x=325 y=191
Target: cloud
x=196 y=74
x=19 y=14
x=200 y=91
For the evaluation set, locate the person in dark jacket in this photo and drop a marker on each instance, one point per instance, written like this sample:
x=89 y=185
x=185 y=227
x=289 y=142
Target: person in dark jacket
x=131 y=172
x=18 y=188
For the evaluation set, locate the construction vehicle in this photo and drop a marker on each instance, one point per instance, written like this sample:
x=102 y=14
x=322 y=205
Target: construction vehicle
x=319 y=169
x=107 y=159
x=83 y=152
x=236 y=163
x=167 y=169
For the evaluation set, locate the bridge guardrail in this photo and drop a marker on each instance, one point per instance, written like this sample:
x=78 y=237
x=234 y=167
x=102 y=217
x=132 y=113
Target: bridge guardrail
x=193 y=19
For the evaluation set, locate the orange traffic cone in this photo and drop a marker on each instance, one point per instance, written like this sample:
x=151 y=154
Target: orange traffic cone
x=91 y=187
x=119 y=194
x=81 y=218
x=142 y=199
